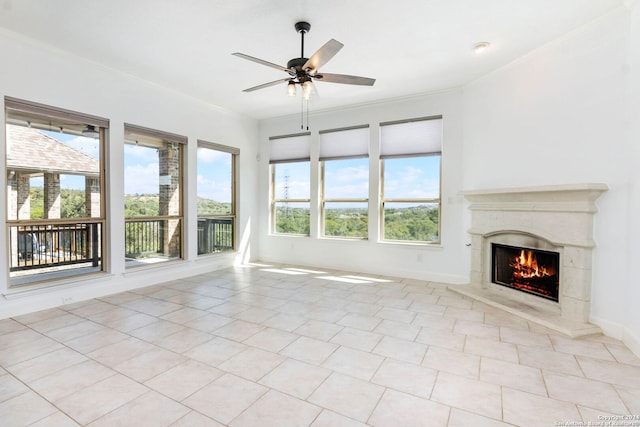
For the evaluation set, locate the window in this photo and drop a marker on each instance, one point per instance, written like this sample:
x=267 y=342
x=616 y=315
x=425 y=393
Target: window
x=55 y=200
x=290 y=184
x=345 y=182
x=153 y=196
x=216 y=167
x=410 y=156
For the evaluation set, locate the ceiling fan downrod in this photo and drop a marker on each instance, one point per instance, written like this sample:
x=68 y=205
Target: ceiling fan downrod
x=303 y=28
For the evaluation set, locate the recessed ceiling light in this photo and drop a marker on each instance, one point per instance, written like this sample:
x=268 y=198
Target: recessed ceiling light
x=481 y=47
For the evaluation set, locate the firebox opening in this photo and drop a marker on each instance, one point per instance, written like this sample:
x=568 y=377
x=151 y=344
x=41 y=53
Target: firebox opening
x=533 y=271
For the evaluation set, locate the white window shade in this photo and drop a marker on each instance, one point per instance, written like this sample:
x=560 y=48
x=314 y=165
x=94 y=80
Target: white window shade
x=293 y=148
x=344 y=143
x=411 y=138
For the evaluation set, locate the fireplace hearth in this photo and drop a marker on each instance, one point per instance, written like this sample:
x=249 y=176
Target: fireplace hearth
x=528 y=270
x=531 y=250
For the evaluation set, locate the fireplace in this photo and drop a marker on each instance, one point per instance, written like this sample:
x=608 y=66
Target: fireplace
x=531 y=252
x=528 y=270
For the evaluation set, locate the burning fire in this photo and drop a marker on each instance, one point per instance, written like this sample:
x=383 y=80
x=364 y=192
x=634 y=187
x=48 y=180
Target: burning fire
x=525 y=266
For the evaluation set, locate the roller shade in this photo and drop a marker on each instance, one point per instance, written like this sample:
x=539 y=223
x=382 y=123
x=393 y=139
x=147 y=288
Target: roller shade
x=411 y=137
x=290 y=148
x=344 y=143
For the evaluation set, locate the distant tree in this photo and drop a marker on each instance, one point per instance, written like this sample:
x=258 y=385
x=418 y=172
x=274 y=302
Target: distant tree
x=212 y=207
x=72 y=203
x=36 y=196
x=292 y=220
x=418 y=223
x=141 y=205
x=347 y=222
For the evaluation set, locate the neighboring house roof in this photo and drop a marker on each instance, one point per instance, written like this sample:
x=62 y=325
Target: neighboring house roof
x=29 y=149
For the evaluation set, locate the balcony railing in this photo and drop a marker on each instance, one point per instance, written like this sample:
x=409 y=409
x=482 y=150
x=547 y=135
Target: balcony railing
x=41 y=245
x=215 y=235
x=45 y=247
x=142 y=238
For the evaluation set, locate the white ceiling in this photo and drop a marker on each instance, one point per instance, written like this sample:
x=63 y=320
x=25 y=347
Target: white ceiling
x=409 y=46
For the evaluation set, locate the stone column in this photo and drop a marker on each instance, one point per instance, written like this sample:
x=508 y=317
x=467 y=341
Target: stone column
x=23 y=196
x=92 y=197
x=51 y=195
x=169 y=170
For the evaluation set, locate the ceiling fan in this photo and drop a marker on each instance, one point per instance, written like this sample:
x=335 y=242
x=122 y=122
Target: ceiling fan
x=303 y=71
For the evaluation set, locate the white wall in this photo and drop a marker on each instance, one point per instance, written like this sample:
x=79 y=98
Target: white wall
x=35 y=73
x=559 y=116
x=632 y=292
x=446 y=262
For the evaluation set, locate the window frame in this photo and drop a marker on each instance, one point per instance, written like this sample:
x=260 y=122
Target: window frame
x=235 y=155
x=152 y=136
x=279 y=157
x=348 y=154
x=44 y=117
x=423 y=200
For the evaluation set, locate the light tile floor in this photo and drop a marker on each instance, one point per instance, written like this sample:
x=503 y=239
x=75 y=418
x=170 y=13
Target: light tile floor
x=287 y=346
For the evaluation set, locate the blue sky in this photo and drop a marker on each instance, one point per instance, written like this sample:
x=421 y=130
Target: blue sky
x=141 y=169
x=214 y=175
x=410 y=177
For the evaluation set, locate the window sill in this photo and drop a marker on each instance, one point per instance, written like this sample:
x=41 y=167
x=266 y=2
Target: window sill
x=421 y=245
x=152 y=266
x=41 y=287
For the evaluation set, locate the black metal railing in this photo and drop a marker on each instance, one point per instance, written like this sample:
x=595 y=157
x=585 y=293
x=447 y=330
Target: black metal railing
x=44 y=245
x=57 y=244
x=142 y=238
x=215 y=235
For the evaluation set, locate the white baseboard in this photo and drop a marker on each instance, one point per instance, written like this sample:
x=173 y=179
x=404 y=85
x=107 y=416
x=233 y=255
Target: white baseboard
x=620 y=332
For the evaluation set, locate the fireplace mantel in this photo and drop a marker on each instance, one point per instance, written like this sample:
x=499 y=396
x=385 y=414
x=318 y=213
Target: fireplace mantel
x=547 y=211
x=556 y=216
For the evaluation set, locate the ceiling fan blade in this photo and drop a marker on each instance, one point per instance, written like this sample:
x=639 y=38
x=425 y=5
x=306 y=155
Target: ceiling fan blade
x=264 y=85
x=345 y=79
x=260 y=61
x=323 y=55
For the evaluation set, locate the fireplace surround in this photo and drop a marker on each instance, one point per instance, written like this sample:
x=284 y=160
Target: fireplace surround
x=556 y=219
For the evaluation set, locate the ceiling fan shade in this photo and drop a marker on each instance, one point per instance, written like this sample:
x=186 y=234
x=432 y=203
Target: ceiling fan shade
x=303 y=71
x=291 y=88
